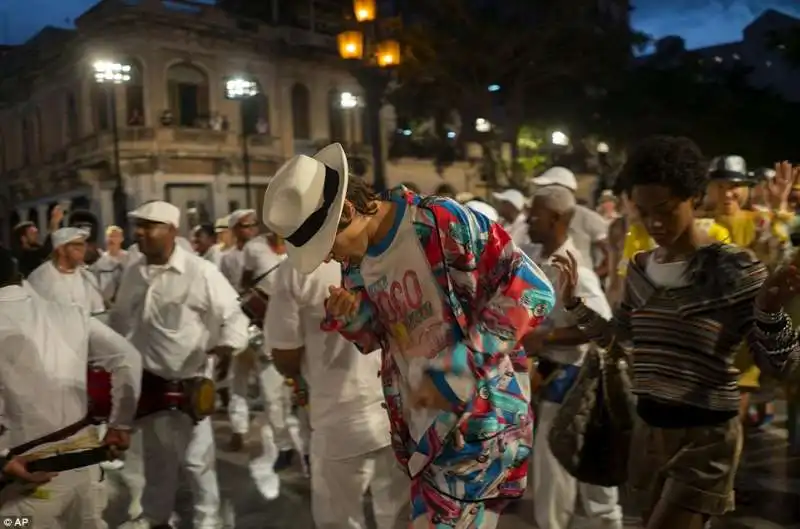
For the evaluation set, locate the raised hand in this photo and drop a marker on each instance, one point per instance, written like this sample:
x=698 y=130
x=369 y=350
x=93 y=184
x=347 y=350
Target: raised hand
x=342 y=303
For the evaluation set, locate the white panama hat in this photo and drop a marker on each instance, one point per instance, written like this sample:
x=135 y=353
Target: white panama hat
x=303 y=205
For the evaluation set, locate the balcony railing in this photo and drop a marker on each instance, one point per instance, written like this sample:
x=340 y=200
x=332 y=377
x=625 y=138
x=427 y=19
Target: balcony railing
x=170 y=139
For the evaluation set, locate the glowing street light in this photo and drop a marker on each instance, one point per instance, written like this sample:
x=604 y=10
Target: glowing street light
x=559 y=138
x=240 y=88
x=348 y=100
x=107 y=72
x=482 y=125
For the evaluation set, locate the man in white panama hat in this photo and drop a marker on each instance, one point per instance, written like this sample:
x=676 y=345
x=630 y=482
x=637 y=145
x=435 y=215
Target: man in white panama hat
x=434 y=286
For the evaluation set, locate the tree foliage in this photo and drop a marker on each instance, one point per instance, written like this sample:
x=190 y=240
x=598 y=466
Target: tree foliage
x=690 y=96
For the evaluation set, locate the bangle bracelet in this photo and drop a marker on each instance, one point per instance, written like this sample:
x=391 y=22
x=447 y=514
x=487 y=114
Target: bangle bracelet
x=769 y=318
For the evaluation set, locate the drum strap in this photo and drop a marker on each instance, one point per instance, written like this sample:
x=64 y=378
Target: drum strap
x=257 y=280
x=59 y=435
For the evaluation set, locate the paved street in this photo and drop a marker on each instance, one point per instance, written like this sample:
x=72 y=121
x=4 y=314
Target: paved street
x=769 y=477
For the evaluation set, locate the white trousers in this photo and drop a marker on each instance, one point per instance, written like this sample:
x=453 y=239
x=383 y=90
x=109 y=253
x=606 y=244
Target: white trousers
x=171 y=443
x=338 y=488
x=557 y=495
x=276 y=403
x=74 y=499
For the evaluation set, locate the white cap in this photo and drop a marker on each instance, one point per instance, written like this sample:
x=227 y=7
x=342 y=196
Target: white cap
x=63 y=236
x=222 y=223
x=485 y=209
x=606 y=196
x=557 y=176
x=158 y=211
x=513 y=197
x=237 y=216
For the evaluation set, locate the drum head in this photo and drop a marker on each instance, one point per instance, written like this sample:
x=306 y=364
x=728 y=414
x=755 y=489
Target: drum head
x=203 y=398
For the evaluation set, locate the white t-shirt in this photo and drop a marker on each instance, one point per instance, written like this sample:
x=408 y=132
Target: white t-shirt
x=401 y=285
x=232 y=266
x=345 y=393
x=587 y=228
x=588 y=288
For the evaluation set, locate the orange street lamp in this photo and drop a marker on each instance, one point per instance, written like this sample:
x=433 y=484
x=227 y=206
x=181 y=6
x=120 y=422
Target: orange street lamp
x=351 y=45
x=364 y=10
x=372 y=58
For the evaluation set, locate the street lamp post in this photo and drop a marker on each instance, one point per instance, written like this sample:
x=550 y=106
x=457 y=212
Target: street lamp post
x=372 y=59
x=110 y=74
x=243 y=89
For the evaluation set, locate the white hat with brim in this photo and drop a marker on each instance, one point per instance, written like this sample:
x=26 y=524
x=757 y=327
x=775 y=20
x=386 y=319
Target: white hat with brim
x=238 y=216
x=557 y=176
x=157 y=211
x=221 y=223
x=303 y=205
x=513 y=197
x=483 y=208
x=63 y=236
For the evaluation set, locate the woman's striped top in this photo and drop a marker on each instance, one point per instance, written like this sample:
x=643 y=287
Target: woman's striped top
x=684 y=340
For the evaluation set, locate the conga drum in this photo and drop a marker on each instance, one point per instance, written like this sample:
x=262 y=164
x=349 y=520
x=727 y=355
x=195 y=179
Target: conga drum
x=254 y=305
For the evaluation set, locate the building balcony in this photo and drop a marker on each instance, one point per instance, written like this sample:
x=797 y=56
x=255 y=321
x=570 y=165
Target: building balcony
x=135 y=142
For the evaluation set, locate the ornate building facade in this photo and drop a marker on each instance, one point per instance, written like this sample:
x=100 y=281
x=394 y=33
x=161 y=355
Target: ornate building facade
x=179 y=138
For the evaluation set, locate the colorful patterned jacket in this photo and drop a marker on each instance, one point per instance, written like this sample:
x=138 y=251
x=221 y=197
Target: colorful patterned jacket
x=493 y=295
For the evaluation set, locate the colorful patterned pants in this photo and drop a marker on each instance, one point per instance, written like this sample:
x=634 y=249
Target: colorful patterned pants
x=430 y=509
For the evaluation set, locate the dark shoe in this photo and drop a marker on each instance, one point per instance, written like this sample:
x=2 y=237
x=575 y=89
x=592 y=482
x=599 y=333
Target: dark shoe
x=284 y=460
x=237 y=442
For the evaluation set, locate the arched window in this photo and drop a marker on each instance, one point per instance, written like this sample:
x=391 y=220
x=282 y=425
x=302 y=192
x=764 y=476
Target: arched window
x=187 y=86
x=134 y=96
x=73 y=130
x=255 y=112
x=301 y=112
x=336 y=116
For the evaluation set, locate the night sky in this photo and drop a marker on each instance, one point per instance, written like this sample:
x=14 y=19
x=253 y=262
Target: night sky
x=700 y=22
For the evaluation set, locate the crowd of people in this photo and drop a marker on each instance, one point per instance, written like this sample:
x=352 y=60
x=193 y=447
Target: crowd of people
x=419 y=347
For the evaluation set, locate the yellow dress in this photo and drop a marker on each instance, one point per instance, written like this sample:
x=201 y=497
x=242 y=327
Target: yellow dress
x=743 y=227
x=638 y=240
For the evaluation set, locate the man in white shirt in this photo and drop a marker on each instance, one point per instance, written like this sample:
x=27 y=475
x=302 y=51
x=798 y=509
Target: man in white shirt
x=511 y=206
x=561 y=347
x=350 y=441
x=180 y=313
x=43 y=375
x=262 y=255
x=588 y=229
x=108 y=268
x=204 y=243
x=64 y=277
x=244 y=225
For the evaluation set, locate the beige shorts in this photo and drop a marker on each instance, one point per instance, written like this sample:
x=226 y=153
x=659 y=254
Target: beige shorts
x=693 y=468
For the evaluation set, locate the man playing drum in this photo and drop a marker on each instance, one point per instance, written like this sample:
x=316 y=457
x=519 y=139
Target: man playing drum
x=178 y=310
